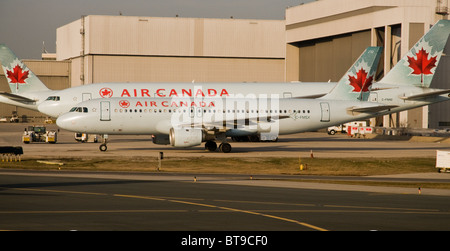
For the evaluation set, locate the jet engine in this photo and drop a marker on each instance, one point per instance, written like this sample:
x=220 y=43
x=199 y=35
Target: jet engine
x=161 y=139
x=185 y=137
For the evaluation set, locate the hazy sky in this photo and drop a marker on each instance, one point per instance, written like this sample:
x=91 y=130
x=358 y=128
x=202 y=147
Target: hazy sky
x=25 y=24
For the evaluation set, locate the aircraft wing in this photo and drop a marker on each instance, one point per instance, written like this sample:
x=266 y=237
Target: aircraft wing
x=426 y=95
x=234 y=122
x=370 y=109
x=17 y=98
x=311 y=96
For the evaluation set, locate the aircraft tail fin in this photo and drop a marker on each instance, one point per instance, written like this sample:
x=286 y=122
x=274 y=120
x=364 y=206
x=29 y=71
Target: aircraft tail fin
x=356 y=82
x=19 y=77
x=418 y=66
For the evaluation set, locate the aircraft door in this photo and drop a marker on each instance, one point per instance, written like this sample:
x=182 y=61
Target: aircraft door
x=287 y=94
x=373 y=97
x=105 y=111
x=86 y=96
x=325 y=112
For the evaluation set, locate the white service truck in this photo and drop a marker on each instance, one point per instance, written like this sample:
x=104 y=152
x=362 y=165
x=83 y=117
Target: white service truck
x=332 y=130
x=443 y=161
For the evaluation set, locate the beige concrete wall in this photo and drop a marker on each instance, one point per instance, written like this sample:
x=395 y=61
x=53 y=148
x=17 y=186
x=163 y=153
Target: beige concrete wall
x=106 y=68
x=329 y=17
x=157 y=36
x=154 y=49
x=68 y=40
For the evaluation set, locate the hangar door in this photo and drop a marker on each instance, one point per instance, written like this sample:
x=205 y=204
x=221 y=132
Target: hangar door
x=328 y=58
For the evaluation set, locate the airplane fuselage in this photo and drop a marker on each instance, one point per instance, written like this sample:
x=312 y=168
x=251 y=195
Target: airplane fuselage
x=61 y=101
x=235 y=116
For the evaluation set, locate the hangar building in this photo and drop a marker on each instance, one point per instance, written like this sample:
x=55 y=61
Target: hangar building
x=323 y=39
x=156 y=49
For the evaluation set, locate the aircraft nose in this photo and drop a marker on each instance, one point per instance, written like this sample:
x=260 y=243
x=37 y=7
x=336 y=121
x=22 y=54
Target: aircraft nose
x=67 y=122
x=49 y=108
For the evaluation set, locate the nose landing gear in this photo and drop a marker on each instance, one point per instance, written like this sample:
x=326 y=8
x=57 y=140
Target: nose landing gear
x=103 y=146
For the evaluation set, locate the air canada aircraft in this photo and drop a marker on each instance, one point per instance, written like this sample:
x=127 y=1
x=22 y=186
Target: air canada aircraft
x=190 y=122
x=185 y=122
x=29 y=92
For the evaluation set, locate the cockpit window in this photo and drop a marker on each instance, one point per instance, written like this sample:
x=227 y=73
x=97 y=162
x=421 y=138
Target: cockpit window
x=79 y=109
x=53 y=98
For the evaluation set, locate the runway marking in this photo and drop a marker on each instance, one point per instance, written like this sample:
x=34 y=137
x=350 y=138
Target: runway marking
x=227 y=209
x=383 y=208
x=54 y=191
x=267 y=203
x=97 y=211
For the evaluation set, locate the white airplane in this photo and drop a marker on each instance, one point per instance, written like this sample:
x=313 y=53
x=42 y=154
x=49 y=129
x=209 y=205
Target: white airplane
x=185 y=122
x=407 y=84
x=29 y=92
x=405 y=87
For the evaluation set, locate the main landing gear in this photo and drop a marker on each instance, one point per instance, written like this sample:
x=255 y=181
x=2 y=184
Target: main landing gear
x=223 y=147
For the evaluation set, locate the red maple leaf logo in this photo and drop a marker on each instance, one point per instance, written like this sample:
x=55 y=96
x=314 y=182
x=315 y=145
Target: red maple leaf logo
x=106 y=92
x=361 y=82
x=17 y=75
x=124 y=103
x=422 y=65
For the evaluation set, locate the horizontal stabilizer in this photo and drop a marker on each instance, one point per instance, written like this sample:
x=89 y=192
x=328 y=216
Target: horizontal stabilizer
x=371 y=109
x=426 y=95
x=17 y=98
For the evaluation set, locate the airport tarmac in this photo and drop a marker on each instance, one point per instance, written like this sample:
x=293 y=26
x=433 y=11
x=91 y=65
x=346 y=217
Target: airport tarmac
x=89 y=201
x=65 y=200
x=296 y=145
